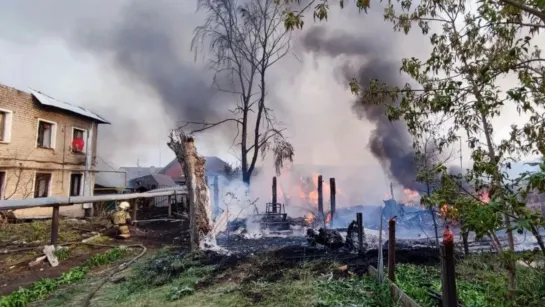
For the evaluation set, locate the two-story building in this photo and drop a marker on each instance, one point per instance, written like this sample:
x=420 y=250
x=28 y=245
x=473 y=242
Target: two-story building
x=47 y=148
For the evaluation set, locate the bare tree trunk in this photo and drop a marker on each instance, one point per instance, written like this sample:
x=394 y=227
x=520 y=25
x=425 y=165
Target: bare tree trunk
x=193 y=166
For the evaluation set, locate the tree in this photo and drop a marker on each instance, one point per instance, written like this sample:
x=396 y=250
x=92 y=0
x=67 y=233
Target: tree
x=430 y=159
x=472 y=51
x=245 y=40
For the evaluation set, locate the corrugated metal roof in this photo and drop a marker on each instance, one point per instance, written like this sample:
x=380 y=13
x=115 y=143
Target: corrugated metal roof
x=49 y=101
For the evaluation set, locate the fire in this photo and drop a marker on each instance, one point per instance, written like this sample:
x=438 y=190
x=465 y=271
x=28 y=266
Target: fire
x=448 y=236
x=311 y=195
x=411 y=197
x=328 y=218
x=309 y=218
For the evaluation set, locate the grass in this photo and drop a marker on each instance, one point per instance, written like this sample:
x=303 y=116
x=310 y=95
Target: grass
x=43 y=287
x=171 y=279
x=481 y=282
x=39 y=232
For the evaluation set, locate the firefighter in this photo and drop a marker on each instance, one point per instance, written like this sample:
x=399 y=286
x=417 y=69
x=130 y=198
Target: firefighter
x=121 y=218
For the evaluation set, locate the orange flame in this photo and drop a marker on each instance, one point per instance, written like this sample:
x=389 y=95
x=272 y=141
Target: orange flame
x=328 y=218
x=448 y=236
x=411 y=197
x=309 y=218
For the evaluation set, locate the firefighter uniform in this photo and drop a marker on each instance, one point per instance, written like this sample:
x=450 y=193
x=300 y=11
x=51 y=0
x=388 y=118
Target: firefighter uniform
x=120 y=220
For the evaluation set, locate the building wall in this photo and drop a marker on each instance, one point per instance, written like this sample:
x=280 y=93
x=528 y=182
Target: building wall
x=21 y=159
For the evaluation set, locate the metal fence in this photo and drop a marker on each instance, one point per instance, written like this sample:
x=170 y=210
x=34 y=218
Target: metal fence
x=178 y=192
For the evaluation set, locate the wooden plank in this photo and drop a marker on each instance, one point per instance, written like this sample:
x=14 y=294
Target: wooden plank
x=406 y=301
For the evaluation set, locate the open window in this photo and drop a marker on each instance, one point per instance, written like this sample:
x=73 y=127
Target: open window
x=42 y=185
x=5 y=125
x=76 y=184
x=79 y=137
x=46 y=134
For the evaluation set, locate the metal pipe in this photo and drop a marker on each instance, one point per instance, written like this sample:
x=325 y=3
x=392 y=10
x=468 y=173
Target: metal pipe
x=70 y=200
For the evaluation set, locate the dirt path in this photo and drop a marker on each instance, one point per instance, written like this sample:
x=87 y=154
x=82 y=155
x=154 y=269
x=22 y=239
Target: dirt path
x=15 y=271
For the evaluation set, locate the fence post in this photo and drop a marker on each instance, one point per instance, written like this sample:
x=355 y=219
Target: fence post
x=448 y=273
x=320 y=198
x=55 y=225
x=392 y=250
x=359 y=221
x=333 y=196
x=274 y=195
x=134 y=209
x=169 y=205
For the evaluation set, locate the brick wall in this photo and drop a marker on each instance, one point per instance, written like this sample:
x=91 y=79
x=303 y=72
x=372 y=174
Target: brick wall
x=21 y=159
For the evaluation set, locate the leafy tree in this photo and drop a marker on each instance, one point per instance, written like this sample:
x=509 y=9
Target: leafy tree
x=472 y=50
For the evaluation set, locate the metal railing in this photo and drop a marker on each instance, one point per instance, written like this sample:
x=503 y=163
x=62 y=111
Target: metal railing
x=61 y=201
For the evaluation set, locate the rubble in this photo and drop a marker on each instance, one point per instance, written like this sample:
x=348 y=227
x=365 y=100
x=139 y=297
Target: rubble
x=330 y=238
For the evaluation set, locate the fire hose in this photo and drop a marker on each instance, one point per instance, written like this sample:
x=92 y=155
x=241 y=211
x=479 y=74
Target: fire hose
x=122 y=267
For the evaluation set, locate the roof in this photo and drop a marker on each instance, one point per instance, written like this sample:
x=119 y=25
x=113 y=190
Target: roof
x=214 y=165
x=49 y=101
x=136 y=172
x=163 y=180
x=160 y=180
x=108 y=175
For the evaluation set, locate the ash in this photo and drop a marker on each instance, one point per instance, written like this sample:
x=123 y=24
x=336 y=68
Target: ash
x=247 y=246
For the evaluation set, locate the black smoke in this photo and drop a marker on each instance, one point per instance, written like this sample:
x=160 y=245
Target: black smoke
x=390 y=141
x=150 y=44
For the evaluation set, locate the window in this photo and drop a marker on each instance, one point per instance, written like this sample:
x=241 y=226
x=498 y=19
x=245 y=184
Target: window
x=2 y=184
x=46 y=134
x=75 y=184
x=5 y=126
x=80 y=135
x=41 y=186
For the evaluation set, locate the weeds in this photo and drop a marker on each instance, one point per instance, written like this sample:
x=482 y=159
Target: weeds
x=40 y=289
x=481 y=282
x=62 y=253
x=364 y=291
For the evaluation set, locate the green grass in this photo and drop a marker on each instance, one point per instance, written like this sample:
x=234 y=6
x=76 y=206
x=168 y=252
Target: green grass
x=40 y=231
x=43 y=287
x=169 y=279
x=481 y=282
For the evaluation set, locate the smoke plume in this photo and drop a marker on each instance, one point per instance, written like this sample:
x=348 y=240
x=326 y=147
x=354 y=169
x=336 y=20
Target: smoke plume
x=145 y=43
x=366 y=59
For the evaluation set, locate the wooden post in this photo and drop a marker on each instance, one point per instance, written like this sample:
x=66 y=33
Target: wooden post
x=333 y=196
x=216 y=195
x=320 y=198
x=55 y=225
x=274 y=195
x=134 y=209
x=359 y=221
x=465 y=235
x=170 y=206
x=392 y=250
x=448 y=274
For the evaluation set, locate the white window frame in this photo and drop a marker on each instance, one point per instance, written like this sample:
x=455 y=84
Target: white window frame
x=49 y=186
x=84 y=139
x=82 y=183
x=8 y=126
x=53 y=133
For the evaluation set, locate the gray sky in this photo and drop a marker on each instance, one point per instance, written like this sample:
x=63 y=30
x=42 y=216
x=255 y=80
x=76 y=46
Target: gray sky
x=130 y=61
